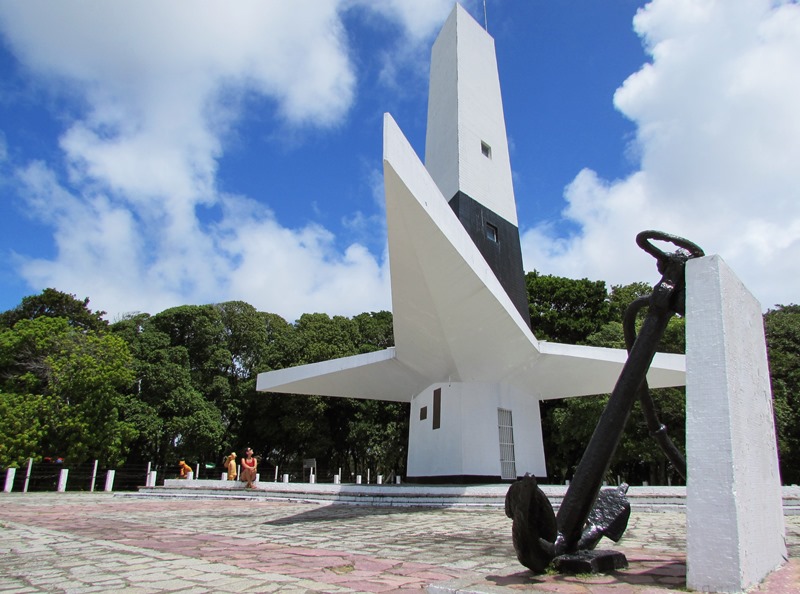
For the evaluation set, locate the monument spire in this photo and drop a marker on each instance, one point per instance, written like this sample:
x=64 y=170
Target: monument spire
x=466 y=147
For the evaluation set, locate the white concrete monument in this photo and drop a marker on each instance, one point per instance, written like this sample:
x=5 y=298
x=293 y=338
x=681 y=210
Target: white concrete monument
x=464 y=357
x=734 y=511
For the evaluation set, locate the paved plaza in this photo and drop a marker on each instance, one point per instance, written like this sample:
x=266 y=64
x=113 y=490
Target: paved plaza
x=82 y=542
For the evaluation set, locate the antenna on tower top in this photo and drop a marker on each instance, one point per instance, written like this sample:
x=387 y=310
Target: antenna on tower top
x=485 y=18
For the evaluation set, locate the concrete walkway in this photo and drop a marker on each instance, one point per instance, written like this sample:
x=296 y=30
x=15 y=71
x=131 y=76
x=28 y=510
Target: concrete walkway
x=76 y=542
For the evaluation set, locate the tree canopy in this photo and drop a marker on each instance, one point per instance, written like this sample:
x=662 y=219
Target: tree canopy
x=180 y=384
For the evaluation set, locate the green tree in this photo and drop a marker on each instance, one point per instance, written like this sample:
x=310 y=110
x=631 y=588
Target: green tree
x=175 y=419
x=55 y=304
x=782 y=327
x=79 y=377
x=566 y=310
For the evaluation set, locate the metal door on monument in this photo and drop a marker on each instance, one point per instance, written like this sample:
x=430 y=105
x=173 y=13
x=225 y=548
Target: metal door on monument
x=505 y=427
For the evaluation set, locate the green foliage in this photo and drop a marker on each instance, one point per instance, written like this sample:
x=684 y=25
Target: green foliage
x=566 y=310
x=55 y=304
x=72 y=379
x=782 y=326
x=24 y=423
x=181 y=385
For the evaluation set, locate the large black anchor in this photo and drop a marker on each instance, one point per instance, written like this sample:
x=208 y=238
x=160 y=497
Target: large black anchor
x=587 y=514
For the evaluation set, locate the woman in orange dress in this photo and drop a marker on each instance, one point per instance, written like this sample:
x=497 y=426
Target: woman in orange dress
x=248 y=471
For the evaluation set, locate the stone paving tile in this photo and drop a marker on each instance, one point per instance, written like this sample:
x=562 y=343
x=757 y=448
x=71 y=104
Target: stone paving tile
x=97 y=542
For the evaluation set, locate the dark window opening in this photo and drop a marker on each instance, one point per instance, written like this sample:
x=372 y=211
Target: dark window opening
x=423 y=413
x=486 y=150
x=437 y=408
x=491 y=233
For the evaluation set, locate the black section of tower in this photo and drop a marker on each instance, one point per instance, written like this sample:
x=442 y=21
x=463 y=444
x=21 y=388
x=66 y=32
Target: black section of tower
x=498 y=242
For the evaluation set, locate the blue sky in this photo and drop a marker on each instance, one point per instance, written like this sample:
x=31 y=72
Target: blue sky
x=155 y=155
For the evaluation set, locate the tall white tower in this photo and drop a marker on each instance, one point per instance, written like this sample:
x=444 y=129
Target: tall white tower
x=466 y=147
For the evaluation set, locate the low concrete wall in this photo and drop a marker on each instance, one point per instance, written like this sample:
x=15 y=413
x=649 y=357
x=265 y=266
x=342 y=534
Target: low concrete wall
x=641 y=498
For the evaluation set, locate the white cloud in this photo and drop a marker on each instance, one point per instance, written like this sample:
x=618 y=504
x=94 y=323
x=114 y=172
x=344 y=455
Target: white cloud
x=719 y=140
x=160 y=86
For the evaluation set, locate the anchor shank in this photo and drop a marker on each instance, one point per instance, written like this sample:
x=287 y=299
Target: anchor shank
x=588 y=478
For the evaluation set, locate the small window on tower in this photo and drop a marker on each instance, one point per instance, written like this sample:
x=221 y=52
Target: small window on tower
x=486 y=150
x=491 y=233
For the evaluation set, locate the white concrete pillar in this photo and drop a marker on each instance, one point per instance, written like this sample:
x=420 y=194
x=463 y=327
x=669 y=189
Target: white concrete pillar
x=312 y=478
x=223 y=476
x=27 y=475
x=358 y=479
x=197 y=470
x=397 y=480
x=109 y=486
x=379 y=479
x=10 y=474
x=285 y=478
x=62 y=479
x=94 y=476
x=258 y=477
x=734 y=513
x=151 y=478
x=337 y=480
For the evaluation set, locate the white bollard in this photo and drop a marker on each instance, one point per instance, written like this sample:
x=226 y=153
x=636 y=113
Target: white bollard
x=94 y=476
x=258 y=477
x=379 y=479
x=189 y=476
x=337 y=479
x=397 y=480
x=358 y=479
x=27 y=475
x=312 y=478
x=62 y=479
x=367 y=475
x=285 y=478
x=197 y=470
x=276 y=474
x=109 y=486
x=223 y=476
x=10 y=474
x=151 y=478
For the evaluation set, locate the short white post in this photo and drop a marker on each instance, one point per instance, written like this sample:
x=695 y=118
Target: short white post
x=109 y=486
x=197 y=470
x=147 y=474
x=397 y=479
x=151 y=478
x=94 y=476
x=276 y=475
x=258 y=477
x=367 y=475
x=379 y=479
x=337 y=480
x=189 y=476
x=223 y=476
x=27 y=475
x=358 y=479
x=62 y=479
x=285 y=478
x=10 y=474
x=734 y=512
x=312 y=478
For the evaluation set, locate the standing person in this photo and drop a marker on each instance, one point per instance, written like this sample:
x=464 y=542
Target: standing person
x=249 y=466
x=230 y=466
